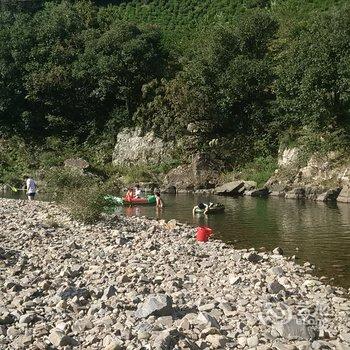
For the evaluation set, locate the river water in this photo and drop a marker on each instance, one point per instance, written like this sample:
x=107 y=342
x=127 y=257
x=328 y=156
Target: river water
x=314 y=232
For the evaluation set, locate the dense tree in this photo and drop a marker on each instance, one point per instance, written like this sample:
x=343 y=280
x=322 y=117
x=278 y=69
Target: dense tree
x=313 y=87
x=241 y=72
x=63 y=74
x=225 y=88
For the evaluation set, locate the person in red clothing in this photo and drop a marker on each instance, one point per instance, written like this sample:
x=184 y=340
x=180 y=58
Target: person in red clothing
x=129 y=195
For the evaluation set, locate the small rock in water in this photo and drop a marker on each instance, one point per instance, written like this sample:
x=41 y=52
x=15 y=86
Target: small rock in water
x=278 y=251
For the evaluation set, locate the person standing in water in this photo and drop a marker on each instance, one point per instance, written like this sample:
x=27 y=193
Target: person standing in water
x=31 y=188
x=159 y=201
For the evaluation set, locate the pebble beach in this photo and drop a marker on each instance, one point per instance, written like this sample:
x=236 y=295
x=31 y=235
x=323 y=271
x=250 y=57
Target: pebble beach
x=139 y=283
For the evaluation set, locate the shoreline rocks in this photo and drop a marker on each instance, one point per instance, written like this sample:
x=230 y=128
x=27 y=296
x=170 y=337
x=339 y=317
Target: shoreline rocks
x=71 y=285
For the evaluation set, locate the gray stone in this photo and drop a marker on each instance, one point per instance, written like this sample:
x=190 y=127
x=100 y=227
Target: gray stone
x=277 y=271
x=169 y=190
x=295 y=330
x=229 y=189
x=329 y=196
x=275 y=287
x=27 y=318
x=345 y=337
x=114 y=345
x=234 y=279
x=296 y=193
x=157 y=305
x=344 y=195
x=216 y=341
x=202 y=172
x=109 y=292
x=278 y=251
x=58 y=338
x=319 y=344
x=253 y=341
x=133 y=147
x=260 y=192
x=205 y=318
x=249 y=185
x=254 y=257
x=166 y=340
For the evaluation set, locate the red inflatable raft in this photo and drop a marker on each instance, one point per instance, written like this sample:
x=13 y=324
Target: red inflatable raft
x=148 y=200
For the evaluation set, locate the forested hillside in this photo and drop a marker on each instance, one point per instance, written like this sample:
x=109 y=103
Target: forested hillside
x=248 y=74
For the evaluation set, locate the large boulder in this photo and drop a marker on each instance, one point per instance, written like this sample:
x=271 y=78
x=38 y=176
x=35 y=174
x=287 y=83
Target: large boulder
x=296 y=193
x=312 y=192
x=344 y=195
x=230 y=188
x=133 y=147
x=202 y=172
x=260 y=192
x=329 y=196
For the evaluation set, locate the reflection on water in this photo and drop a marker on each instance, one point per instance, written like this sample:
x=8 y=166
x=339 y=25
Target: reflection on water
x=315 y=232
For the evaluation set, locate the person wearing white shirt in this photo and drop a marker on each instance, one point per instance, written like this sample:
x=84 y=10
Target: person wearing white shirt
x=137 y=191
x=31 y=188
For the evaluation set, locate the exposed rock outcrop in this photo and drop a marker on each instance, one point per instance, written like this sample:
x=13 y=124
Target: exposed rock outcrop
x=230 y=189
x=321 y=179
x=203 y=172
x=133 y=147
x=344 y=195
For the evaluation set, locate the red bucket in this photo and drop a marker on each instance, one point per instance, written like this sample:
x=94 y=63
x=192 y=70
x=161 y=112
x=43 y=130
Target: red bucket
x=203 y=233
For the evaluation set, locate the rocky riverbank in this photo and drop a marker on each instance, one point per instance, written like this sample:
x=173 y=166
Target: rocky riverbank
x=135 y=283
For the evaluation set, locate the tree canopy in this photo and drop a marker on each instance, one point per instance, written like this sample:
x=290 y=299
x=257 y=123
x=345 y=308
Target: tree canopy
x=244 y=71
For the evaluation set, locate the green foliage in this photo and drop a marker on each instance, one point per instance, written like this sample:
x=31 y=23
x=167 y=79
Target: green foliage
x=64 y=73
x=243 y=73
x=259 y=170
x=82 y=194
x=15 y=161
x=225 y=89
x=313 y=71
x=143 y=172
x=85 y=204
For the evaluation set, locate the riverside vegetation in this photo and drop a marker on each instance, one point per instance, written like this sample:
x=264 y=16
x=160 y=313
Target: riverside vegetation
x=135 y=283
x=248 y=75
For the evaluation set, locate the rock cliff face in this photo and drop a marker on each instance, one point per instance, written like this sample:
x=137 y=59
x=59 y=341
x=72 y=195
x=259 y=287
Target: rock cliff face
x=321 y=179
x=203 y=172
x=133 y=147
